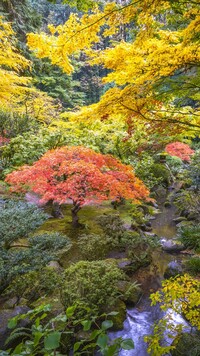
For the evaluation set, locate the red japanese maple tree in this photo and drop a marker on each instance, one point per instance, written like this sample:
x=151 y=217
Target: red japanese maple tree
x=179 y=149
x=79 y=174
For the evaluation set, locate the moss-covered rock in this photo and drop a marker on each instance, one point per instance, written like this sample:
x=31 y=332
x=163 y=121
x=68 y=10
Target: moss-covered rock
x=131 y=292
x=118 y=320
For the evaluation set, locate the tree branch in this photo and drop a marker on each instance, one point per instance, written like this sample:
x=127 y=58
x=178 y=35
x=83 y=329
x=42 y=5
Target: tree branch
x=174 y=121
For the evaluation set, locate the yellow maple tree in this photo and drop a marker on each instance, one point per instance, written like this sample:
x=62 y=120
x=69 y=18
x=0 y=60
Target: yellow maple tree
x=139 y=69
x=16 y=92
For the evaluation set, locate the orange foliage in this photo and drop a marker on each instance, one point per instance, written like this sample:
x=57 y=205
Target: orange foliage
x=78 y=174
x=179 y=149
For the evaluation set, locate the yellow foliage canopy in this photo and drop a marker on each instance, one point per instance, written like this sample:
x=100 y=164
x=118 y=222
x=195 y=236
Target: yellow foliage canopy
x=16 y=93
x=138 y=69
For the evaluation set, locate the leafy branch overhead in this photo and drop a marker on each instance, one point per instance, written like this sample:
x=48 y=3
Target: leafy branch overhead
x=142 y=70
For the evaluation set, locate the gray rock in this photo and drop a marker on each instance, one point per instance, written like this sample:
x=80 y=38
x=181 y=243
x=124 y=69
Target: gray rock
x=184 y=223
x=173 y=269
x=172 y=245
x=55 y=265
x=5 y=316
x=179 y=219
x=10 y=303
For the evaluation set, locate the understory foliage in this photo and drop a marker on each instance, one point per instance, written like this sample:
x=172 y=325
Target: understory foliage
x=190 y=236
x=188 y=204
x=18 y=219
x=55 y=335
x=28 y=147
x=23 y=268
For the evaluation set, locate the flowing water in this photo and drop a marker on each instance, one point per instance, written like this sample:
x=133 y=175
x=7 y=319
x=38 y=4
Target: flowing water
x=140 y=319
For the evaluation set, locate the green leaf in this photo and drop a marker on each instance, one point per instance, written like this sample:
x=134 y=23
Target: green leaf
x=52 y=341
x=94 y=334
x=86 y=325
x=112 y=350
x=113 y=313
x=127 y=344
x=106 y=324
x=77 y=345
x=102 y=341
x=12 y=323
x=37 y=337
x=70 y=311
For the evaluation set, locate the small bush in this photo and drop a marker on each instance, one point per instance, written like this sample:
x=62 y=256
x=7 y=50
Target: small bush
x=93 y=247
x=193 y=265
x=144 y=171
x=190 y=236
x=175 y=164
x=92 y=284
x=18 y=219
x=35 y=284
x=179 y=149
x=188 y=203
x=160 y=172
x=49 y=242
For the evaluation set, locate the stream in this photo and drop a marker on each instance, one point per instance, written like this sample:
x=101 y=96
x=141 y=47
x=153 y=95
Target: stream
x=140 y=319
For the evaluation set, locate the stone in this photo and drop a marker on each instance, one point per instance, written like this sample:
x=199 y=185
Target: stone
x=55 y=265
x=167 y=204
x=173 y=269
x=10 y=303
x=171 y=245
x=130 y=293
x=184 y=223
x=5 y=316
x=179 y=219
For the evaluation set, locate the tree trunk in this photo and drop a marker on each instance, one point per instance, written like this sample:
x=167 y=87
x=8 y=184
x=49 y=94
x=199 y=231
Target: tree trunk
x=75 y=218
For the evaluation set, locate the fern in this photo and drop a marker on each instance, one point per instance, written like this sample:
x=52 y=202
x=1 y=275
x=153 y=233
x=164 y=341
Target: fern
x=17 y=334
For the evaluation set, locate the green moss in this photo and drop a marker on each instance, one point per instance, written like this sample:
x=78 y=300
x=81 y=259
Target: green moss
x=118 y=320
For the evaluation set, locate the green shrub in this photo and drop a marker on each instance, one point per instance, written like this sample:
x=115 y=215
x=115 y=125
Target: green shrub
x=194 y=170
x=144 y=171
x=175 y=164
x=18 y=219
x=112 y=225
x=15 y=263
x=14 y=123
x=93 y=247
x=190 y=236
x=92 y=284
x=49 y=242
x=193 y=265
x=35 y=284
x=161 y=173
x=29 y=147
x=137 y=215
x=188 y=204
